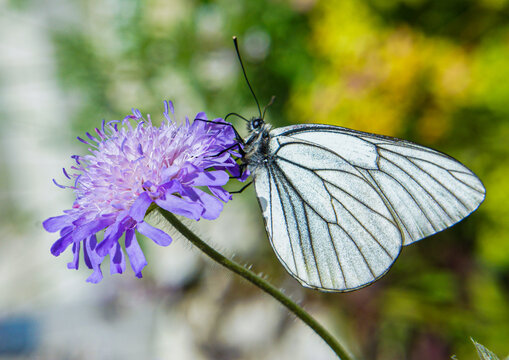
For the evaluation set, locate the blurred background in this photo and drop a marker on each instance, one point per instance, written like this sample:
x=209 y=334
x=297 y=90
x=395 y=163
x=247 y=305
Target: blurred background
x=434 y=72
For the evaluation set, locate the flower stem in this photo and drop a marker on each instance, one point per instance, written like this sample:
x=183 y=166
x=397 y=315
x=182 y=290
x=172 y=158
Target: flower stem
x=259 y=282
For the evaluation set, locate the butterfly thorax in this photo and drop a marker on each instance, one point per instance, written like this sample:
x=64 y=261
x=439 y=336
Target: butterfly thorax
x=257 y=144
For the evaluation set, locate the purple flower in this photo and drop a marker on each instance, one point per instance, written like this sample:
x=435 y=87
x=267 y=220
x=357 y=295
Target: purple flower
x=132 y=164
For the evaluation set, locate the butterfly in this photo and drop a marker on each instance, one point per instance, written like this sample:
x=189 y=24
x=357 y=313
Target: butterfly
x=340 y=204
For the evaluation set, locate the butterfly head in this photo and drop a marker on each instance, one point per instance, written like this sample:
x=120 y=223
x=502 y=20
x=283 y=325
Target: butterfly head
x=256 y=146
x=255 y=124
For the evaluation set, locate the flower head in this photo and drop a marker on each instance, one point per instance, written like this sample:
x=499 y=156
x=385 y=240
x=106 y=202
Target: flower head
x=132 y=164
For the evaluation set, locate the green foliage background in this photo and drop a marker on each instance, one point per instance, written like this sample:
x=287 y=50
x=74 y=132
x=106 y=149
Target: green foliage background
x=434 y=72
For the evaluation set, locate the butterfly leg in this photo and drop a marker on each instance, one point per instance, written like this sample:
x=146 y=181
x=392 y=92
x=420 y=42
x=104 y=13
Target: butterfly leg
x=242 y=189
x=242 y=171
x=237 y=136
x=236 y=145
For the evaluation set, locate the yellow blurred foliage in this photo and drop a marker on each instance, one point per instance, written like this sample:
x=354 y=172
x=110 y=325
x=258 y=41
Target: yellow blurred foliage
x=494 y=233
x=372 y=77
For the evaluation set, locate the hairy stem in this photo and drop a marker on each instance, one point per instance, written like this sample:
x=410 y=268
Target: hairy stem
x=259 y=282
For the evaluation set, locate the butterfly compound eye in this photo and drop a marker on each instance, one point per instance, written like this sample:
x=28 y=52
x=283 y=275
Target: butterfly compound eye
x=256 y=123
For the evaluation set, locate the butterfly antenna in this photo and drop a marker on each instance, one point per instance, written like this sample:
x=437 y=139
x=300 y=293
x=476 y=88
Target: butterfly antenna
x=245 y=76
x=266 y=106
x=237 y=115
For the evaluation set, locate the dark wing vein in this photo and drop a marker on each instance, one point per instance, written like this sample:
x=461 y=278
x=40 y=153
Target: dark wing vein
x=289 y=182
x=283 y=208
x=391 y=207
x=366 y=229
x=294 y=188
x=337 y=256
x=422 y=187
x=428 y=161
x=442 y=185
x=412 y=196
x=464 y=183
x=408 y=145
x=358 y=200
x=270 y=202
x=311 y=207
x=311 y=243
x=358 y=249
x=358 y=221
x=343 y=190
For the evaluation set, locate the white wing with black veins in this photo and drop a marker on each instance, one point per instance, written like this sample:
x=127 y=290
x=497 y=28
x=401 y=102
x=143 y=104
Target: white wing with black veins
x=339 y=204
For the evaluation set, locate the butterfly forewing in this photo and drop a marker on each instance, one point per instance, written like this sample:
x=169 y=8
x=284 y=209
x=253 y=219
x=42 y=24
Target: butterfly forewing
x=427 y=191
x=339 y=204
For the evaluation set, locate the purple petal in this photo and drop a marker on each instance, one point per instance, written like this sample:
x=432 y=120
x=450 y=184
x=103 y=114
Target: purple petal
x=211 y=205
x=217 y=163
x=170 y=187
x=80 y=221
x=111 y=236
x=232 y=167
x=92 y=242
x=210 y=178
x=170 y=103
x=148 y=184
x=220 y=193
x=134 y=252
x=53 y=224
x=220 y=159
x=86 y=255
x=74 y=264
x=140 y=206
x=181 y=206
x=168 y=107
x=201 y=115
x=169 y=173
x=91 y=228
x=244 y=175
x=96 y=276
x=61 y=244
x=66 y=230
x=235 y=171
x=189 y=194
x=136 y=113
x=94 y=259
x=157 y=235
x=117 y=259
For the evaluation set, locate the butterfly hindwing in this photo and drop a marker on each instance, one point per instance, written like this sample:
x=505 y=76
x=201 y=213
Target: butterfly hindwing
x=328 y=225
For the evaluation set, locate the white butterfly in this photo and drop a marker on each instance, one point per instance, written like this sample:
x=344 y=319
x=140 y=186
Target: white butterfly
x=340 y=204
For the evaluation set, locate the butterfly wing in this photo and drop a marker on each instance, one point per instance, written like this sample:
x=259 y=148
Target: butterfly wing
x=327 y=224
x=427 y=191
x=339 y=204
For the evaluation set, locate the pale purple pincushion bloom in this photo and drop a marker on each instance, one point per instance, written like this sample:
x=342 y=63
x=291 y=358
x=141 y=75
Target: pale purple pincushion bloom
x=131 y=164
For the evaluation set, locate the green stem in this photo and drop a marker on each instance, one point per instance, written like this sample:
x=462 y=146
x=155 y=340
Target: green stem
x=261 y=283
